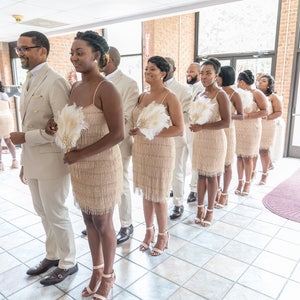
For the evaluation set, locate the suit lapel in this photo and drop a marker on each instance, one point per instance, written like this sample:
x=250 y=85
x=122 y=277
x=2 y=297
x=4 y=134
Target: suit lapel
x=26 y=96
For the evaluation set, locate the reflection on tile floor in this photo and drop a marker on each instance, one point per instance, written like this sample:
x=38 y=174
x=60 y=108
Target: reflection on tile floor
x=247 y=253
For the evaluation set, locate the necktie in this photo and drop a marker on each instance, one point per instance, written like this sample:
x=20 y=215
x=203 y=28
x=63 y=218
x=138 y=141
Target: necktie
x=27 y=81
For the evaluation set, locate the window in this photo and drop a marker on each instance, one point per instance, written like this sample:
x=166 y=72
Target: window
x=127 y=38
x=238 y=27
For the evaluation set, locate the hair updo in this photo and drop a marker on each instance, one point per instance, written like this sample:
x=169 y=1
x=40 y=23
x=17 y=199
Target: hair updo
x=212 y=62
x=161 y=63
x=227 y=74
x=97 y=42
x=271 y=82
x=247 y=76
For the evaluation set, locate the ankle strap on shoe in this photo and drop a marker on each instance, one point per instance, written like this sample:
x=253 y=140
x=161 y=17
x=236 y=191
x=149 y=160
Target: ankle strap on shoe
x=150 y=228
x=200 y=206
x=111 y=275
x=163 y=233
x=98 y=267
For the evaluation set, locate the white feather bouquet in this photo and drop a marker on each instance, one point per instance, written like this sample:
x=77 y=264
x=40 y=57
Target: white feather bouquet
x=201 y=110
x=153 y=119
x=70 y=122
x=247 y=99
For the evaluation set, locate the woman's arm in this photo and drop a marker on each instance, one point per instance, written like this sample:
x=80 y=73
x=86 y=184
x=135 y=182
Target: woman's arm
x=238 y=105
x=261 y=102
x=277 y=107
x=175 y=111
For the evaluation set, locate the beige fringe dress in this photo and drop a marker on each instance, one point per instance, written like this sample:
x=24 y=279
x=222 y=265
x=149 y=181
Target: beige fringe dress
x=97 y=180
x=6 y=118
x=268 y=130
x=210 y=147
x=153 y=164
x=248 y=134
x=230 y=137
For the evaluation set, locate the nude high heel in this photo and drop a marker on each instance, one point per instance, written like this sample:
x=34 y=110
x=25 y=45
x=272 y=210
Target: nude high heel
x=108 y=280
x=157 y=251
x=198 y=220
x=239 y=188
x=87 y=291
x=263 y=179
x=222 y=201
x=246 y=189
x=205 y=222
x=145 y=245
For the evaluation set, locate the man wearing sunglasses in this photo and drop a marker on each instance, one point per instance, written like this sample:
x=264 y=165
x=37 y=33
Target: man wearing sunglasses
x=44 y=94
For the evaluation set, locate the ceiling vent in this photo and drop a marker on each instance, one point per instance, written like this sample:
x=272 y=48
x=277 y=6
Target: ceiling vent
x=44 y=23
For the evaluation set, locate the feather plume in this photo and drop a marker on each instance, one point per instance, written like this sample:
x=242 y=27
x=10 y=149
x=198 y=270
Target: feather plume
x=70 y=122
x=201 y=110
x=153 y=119
x=247 y=98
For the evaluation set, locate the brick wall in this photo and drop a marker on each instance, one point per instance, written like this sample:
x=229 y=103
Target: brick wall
x=285 y=51
x=173 y=37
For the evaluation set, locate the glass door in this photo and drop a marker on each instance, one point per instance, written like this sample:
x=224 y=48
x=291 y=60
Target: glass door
x=294 y=133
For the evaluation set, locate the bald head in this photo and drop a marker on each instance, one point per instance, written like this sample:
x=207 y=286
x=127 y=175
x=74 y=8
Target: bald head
x=114 y=55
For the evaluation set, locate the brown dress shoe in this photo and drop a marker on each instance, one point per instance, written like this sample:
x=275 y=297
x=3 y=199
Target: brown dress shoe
x=58 y=275
x=42 y=267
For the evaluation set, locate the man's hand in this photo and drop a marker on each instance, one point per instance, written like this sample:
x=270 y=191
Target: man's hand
x=17 y=138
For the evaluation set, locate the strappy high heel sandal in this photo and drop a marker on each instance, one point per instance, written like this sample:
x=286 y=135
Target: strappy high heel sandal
x=108 y=280
x=205 y=222
x=157 y=251
x=87 y=291
x=144 y=245
x=246 y=189
x=263 y=179
x=239 y=188
x=222 y=201
x=198 y=220
x=219 y=193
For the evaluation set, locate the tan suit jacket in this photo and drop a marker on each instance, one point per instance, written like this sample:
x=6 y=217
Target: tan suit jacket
x=129 y=91
x=47 y=95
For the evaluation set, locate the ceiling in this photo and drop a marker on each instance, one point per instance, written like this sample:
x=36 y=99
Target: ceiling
x=57 y=17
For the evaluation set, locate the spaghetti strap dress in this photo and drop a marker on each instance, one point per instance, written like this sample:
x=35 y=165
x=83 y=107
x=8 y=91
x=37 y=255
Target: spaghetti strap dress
x=248 y=134
x=268 y=130
x=210 y=147
x=97 y=180
x=6 y=118
x=153 y=163
x=230 y=137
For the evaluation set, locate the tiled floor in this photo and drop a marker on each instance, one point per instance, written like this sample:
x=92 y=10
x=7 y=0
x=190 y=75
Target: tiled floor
x=247 y=253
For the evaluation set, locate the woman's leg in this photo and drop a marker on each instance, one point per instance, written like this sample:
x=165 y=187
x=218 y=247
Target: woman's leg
x=161 y=211
x=107 y=238
x=240 y=172
x=265 y=163
x=148 y=207
x=226 y=182
x=212 y=188
x=248 y=165
x=201 y=189
x=95 y=245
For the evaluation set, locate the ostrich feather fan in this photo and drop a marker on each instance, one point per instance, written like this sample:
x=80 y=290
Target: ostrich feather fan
x=201 y=110
x=153 y=119
x=70 y=122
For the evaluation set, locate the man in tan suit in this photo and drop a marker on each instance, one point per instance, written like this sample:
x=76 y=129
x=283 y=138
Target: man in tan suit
x=44 y=94
x=193 y=79
x=129 y=91
x=184 y=96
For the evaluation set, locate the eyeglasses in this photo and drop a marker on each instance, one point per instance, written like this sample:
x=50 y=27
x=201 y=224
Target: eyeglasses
x=25 y=49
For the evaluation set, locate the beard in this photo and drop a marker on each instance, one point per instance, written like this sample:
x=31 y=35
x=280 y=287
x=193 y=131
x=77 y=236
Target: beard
x=192 y=81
